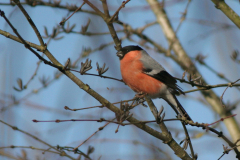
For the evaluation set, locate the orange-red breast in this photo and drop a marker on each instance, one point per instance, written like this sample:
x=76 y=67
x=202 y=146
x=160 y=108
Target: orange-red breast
x=144 y=75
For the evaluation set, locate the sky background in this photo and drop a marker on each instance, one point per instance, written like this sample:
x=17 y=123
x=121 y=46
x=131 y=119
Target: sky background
x=202 y=32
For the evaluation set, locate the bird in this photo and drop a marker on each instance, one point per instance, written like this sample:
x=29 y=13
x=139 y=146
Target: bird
x=144 y=75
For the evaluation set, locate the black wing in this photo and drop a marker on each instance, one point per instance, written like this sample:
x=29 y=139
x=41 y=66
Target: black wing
x=167 y=79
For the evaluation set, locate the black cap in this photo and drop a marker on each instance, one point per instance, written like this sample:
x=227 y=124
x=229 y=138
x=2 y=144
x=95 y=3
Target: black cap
x=127 y=49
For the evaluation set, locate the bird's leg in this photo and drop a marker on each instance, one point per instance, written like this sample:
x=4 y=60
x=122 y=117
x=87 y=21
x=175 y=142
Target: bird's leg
x=140 y=95
x=160 y=116
x=139 y=99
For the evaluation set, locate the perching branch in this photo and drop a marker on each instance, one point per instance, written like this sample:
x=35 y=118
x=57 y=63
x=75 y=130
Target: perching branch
x=186 y=63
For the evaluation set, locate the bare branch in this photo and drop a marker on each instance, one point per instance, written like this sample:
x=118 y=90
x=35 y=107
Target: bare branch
x=63 y=21
x=31 y=23
x=36 y=138
x=116 y=13
x=186 y=63
x=228 y=12
x=94 y=8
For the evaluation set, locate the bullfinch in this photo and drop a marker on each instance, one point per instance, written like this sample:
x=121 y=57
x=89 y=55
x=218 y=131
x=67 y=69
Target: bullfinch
x=146 y=76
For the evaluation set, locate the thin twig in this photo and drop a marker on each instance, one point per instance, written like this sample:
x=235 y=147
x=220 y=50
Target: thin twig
x=99 y=129
x=229 y=85
x=94 y=8
x=222 y=119
x=220 y=75
x=188 y=139
x=26 y=44
x=120 y=80
x=63 y=21
x=116 y=13
x=36 y=138
x=183 y=17
x=101 y=106
x=31 y=23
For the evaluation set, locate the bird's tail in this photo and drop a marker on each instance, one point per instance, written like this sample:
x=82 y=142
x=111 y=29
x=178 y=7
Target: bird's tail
x=179 y=109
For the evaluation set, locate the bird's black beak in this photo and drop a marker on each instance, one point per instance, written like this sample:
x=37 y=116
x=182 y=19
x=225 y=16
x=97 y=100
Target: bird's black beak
x=120 y=54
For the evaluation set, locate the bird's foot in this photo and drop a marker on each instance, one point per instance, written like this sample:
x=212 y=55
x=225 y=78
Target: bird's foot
x=140 y=95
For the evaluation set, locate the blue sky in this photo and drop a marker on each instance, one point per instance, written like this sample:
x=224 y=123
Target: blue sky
x=195 y=36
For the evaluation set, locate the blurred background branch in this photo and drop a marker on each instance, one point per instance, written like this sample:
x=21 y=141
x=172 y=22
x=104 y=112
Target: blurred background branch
x=168 y=27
